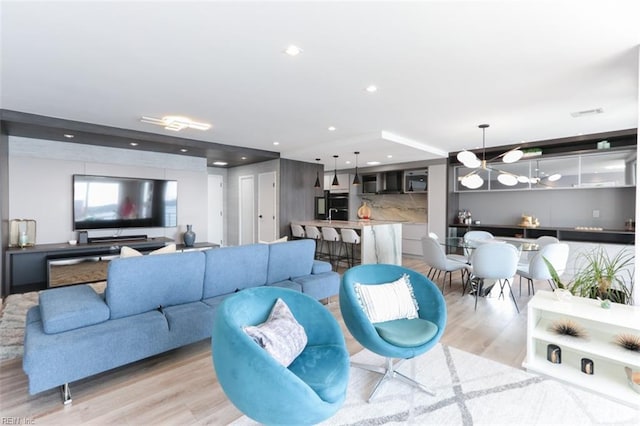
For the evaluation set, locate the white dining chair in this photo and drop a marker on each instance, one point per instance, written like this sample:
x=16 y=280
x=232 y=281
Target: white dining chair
x=556 y=253
x=435 y=257
x=314 y=233
x=497 y=262
x=540 y=242
x=331 y=236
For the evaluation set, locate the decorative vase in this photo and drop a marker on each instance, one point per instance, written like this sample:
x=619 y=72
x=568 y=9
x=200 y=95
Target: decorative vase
x=189 y=237
x=364 y=212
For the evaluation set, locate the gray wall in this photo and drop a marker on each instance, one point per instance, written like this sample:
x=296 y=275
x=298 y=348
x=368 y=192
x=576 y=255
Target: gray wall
x=555 y=208
x=297 y=194
x=40 y=184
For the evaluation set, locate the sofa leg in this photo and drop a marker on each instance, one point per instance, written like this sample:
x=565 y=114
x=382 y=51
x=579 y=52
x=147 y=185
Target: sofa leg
x=66 y=394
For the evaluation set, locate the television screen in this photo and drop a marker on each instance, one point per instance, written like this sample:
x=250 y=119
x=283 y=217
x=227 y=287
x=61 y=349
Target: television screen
x=118 y=202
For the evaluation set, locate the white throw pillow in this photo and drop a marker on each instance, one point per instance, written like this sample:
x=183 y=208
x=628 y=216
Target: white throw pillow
x=389 y=301
x=130 y=252
x=280 y=335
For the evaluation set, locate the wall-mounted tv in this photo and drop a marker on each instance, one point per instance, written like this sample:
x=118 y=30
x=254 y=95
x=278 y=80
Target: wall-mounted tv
x=101 y=202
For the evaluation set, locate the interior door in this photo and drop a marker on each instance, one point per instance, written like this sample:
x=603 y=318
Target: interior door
x=247 y=210
x=267 y=229
x=215 y=209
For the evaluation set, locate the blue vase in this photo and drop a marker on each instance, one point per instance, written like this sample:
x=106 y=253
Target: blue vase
x=189 y=237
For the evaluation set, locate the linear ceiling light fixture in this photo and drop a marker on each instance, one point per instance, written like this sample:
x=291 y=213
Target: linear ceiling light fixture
x=335 y=171
x=356 y=178
x=176 y=123
x=473 y=180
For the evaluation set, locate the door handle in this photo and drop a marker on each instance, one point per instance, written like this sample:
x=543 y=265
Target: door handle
x=260 y=216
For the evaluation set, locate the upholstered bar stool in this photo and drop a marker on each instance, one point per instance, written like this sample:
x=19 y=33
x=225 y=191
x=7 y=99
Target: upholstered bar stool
x=350 y=240
x=314 y=233
x=333 y=239
x=297 y=232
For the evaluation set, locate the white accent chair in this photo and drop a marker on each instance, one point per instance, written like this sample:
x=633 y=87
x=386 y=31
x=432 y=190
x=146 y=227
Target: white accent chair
x=556 y=253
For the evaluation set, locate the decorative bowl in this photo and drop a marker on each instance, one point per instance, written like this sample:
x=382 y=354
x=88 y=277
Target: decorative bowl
x=633 y=377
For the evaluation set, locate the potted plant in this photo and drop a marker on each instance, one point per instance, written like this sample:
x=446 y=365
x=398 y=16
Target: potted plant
x=600 y=276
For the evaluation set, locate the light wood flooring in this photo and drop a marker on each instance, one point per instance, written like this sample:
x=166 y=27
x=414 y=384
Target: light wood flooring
x=180 y=387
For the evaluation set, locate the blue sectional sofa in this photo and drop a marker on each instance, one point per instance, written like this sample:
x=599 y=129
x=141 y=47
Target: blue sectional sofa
x=153 y=304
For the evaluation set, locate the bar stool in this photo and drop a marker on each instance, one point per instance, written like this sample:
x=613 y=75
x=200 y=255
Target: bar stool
x=297 y=232
x=350 y=238
x=331 y=236
x=313 y=233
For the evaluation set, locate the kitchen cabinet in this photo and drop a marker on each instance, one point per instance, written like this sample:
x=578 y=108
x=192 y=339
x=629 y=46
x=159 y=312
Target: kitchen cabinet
x=412 y=234
x=344 y=182
x=601 y=326
x=604 y=168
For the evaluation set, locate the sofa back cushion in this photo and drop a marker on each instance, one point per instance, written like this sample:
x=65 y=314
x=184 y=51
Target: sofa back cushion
x=290 y=260
x=143 y=283
x=235 y=268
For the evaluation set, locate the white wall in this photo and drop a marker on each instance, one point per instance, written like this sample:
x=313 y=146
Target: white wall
x=40 y=184
x=438 y=199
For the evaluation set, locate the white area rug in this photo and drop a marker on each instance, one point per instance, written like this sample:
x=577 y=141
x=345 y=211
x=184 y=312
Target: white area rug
x=470 y=391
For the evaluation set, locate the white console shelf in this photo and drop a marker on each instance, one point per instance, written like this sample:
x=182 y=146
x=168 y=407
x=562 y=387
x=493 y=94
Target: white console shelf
x=601 y=326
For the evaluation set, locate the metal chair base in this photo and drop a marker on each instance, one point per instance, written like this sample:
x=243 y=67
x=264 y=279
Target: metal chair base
x=390 y=372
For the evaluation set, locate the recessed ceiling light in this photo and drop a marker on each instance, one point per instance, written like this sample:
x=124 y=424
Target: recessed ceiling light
x=243 y=158
x=69 y=136
x=389 y=156
x=332 y=129
x=347 y=162
x=176 y=123
x=183 y=150
x=276 y=143
x=371 y=89
x=220 y=163
x=133 y=143
x=373 y=163
x=293 y=50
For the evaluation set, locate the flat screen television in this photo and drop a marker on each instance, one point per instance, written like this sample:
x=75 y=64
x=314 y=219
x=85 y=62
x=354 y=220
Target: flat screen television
x=101 y=202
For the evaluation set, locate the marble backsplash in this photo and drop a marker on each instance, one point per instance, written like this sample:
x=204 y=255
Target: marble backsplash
x=400 y=207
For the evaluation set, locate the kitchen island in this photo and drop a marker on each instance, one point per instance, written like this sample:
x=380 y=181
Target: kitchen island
x=380 y=240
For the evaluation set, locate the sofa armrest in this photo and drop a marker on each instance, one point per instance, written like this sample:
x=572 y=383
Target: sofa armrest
x=320 y=267
x=68 y=308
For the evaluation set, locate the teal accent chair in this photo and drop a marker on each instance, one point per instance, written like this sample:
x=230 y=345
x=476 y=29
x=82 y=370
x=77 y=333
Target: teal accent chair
x=399 y=339
x=310 y=390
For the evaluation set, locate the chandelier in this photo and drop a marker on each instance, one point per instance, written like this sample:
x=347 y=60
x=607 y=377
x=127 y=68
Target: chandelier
x=473 y=180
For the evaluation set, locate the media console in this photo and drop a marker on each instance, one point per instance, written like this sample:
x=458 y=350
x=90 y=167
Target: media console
x=28 y=269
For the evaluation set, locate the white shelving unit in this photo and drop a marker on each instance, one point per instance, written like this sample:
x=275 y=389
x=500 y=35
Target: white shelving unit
x=601 y=326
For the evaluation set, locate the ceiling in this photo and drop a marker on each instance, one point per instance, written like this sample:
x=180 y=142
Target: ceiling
x=441 y=68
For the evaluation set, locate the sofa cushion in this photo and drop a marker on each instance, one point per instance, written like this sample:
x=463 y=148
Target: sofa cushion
x=320 y=266
x=68 y=308
x=290 y=260
x=320 y=286
x=141 y=284
x=235 y=268
x=287 y=284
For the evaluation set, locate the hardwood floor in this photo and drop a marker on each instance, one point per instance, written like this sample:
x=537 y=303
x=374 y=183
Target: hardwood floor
x=180 y=387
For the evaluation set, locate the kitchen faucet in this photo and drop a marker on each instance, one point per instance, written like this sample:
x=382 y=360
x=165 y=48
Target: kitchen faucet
x=335 y=210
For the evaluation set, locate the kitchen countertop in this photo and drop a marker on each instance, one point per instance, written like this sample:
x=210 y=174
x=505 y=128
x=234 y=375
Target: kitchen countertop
x=345 y=223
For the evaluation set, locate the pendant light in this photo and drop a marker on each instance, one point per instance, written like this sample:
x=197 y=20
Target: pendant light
x=356 y=178
x=317 y=184
x=473 y=180
x=335 y=171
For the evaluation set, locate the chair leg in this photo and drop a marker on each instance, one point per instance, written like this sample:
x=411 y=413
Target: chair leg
x=479 y=286
x=390 y=372
x=502 y=284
